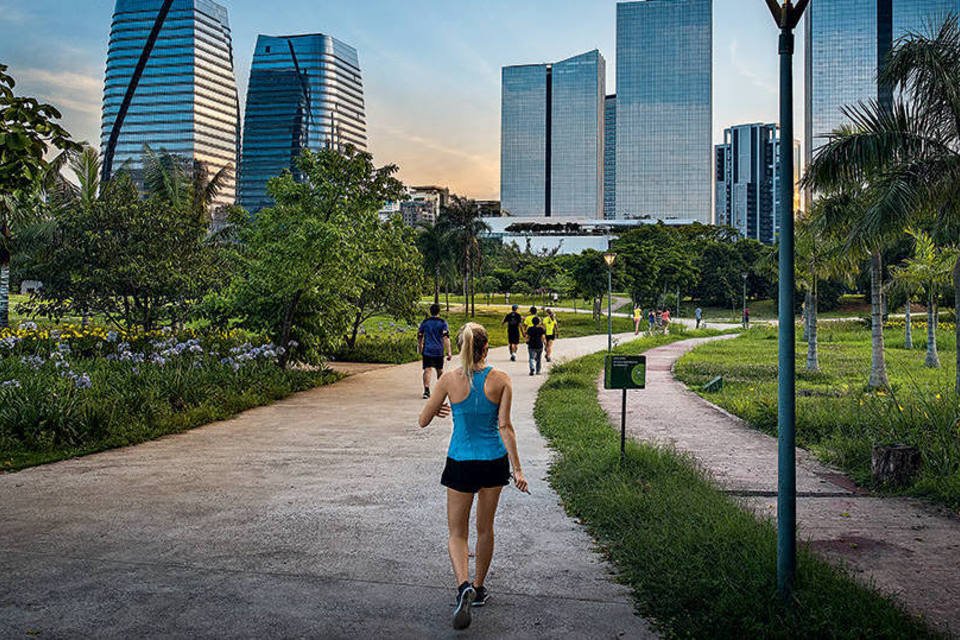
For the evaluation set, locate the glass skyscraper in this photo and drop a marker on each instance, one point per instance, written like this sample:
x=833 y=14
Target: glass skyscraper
x=747 y=166
x=610 y=158
x=845 y=40
x=552 y=142
x=664 y=110
x=305 y=92
x=184 y=99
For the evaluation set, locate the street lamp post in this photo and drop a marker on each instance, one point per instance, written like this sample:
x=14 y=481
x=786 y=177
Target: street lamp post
x=609 y=257
x=787 y=16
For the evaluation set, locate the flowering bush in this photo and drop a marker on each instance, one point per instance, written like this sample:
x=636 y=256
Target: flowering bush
x=71 y=389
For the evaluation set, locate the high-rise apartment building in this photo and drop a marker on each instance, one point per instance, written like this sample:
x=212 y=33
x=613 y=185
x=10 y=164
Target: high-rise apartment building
x=182 y=98
x=747 y=175
x=552 y=138
x=845 y=42
x=305 y=92
x=610 y=158
x=664 y=110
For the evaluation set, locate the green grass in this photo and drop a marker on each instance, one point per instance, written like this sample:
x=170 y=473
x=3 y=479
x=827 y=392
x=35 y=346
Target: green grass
x=698 y=565
x=388 y=341
x=838 y=418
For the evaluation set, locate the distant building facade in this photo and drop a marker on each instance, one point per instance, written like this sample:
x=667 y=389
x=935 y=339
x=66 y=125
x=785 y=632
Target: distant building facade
x=664 y=110
x=844 y=42
x=552 y=123
x=184 y=100
x=305 y=92
x=747 y=179
x=610 y=157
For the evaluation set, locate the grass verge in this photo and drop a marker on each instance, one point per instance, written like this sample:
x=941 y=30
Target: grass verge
x=699 y=565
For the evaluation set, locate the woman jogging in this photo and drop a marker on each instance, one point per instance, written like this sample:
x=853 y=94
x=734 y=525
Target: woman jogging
x=483 y=449
x=637 y=318
x=551 y=326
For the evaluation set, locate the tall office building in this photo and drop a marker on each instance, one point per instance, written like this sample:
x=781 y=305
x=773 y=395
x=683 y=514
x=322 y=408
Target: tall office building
x=552 y=138
x=610 y=158
x=664 y=109
x=747 y=178
x=845 y=40
x=305 y=92
x=183 y=98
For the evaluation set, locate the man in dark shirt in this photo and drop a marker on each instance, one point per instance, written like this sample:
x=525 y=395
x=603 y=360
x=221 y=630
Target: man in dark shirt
x=433 y=340
x=513 y=320
x=535 y=335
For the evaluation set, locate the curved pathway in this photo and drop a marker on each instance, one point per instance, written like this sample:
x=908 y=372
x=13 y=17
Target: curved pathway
x=318 y=517
x=905 y=546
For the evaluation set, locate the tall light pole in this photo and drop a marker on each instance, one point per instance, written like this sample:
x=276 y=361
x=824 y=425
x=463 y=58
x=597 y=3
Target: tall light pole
x=787 y=16
x=609 y=257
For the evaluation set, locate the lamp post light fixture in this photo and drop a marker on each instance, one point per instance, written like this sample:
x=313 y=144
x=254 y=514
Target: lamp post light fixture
x=609 y=257
x=787 y=16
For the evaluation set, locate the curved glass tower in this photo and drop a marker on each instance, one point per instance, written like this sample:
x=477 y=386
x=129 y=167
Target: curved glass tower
x=305 y=91
x=170 y=84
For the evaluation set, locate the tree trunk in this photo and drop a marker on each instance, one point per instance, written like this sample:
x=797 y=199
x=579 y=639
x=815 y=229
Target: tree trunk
x=436 y=286
x=956 y=323
x=446 y=293
x=908 y=328
x=352 y=338
x=4 y=294
x=805 y=316
x=813 y=357
x=284 y=358
x=895 y=465
x=933 y=359
x=878 y=367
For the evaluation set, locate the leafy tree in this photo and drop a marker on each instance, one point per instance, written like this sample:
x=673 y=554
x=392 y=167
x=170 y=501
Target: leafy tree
x=135 y=261
x=391 y=278
x=186 y=184
x=589 y=272
x=28 y=133
x=461 y=224
x=438 y=256
x=488 y=285
x=301 y=263
x=655 y=259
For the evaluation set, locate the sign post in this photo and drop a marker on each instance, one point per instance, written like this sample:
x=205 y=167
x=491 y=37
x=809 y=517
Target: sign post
x=624 y=372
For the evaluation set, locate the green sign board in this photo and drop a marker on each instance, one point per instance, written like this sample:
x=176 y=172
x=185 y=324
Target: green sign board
x=625 y=372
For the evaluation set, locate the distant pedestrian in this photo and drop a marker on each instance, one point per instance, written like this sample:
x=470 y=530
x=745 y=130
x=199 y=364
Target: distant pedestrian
x=528 y=321
x=535 y=337
x=746 y=317
x=433 y=340
x=507 y=298
x=637 y=318
x=698 y=314
x=552 y=328
x=665 y=320
x=513 y=320
x=482 y=452
x=651 y=320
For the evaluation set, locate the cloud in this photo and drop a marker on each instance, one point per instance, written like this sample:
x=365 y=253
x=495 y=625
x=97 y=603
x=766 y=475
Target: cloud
x=77 y=91
x=12 y=15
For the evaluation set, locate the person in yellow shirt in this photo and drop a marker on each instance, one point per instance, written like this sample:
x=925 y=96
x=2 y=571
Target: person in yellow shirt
x=528 y=321
x=550 y=325
x=637 y=319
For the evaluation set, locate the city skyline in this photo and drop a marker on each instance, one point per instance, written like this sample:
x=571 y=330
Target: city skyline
x=437 y=116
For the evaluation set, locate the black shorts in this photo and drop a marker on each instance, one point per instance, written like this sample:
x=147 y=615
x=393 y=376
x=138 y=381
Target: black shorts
x=469 y=476
x=551 y=338
x=513 y=335
x=433 y=362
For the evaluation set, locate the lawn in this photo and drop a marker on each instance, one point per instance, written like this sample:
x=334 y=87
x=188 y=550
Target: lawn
x=385 y=340
x=838 y=418
x=698 y=565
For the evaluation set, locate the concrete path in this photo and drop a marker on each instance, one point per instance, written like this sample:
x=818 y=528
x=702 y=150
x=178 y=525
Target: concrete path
x=321 y=516
x=906 y=547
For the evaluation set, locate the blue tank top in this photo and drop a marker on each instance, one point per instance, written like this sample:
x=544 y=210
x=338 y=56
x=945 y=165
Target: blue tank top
x=476 y=428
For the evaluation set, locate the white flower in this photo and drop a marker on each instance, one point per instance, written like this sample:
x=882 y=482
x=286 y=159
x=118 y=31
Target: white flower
x=11 y=384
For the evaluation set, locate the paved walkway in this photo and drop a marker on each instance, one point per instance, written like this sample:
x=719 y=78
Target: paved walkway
x=318 y=517
x=905 y=546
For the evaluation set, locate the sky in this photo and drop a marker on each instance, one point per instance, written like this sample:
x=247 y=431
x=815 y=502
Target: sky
x=431 y=68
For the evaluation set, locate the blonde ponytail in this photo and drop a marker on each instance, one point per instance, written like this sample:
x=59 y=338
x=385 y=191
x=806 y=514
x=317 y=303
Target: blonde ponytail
x=472 y=342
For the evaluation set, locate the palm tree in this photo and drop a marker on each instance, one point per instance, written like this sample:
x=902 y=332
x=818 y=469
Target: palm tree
x=929 y=271
x=460 y=223
x=184 y=184
x=910 y=153
x=436 y=253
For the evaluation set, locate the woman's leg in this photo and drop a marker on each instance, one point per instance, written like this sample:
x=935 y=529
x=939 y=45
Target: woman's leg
x=487 y=502
x=458 y=526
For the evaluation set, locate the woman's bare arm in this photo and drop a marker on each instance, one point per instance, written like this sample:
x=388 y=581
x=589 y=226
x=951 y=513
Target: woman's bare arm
x=509 y=435
x=436 y=405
